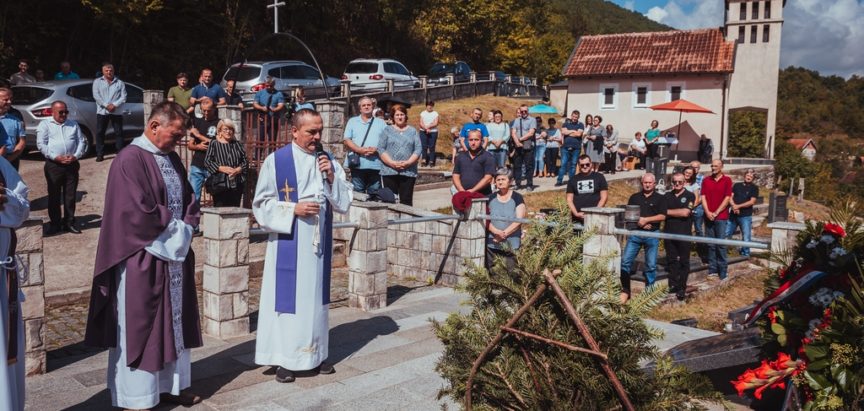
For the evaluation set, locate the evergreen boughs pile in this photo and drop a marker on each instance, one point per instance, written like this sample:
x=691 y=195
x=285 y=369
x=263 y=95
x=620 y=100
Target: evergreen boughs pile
x=553 y=377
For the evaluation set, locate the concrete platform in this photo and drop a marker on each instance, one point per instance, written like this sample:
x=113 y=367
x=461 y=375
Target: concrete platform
x=384 y=361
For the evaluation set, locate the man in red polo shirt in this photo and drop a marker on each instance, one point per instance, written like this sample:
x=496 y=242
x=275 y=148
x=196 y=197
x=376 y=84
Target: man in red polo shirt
x=716 y=194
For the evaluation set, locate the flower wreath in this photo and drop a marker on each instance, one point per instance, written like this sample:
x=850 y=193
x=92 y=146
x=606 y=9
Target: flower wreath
x=812 y=320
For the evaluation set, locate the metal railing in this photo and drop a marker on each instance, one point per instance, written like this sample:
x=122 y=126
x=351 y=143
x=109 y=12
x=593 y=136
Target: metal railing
x=696 y=239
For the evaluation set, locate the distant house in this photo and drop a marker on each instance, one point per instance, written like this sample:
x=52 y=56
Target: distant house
x=805 y=145
x=734 y=67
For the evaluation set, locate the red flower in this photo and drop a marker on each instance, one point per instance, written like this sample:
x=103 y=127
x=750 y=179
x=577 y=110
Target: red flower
x=834 y=229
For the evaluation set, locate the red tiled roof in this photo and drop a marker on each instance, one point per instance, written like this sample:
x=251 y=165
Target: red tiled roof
x=667 y=52
x=800 y=143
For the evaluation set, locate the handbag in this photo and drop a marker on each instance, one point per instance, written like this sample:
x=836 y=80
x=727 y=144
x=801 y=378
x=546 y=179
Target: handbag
x=353 y=159
x=217 y=183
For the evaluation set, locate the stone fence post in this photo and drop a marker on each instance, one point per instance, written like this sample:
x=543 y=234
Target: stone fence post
x=151 y=99
x=226 y=271
x=367 y=258
x=334 y=115
x=471 y=236
x=603 y=244
x=33 y=307
x=783 y=237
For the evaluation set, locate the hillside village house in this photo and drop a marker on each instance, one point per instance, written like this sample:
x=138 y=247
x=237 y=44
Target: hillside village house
x=806 y=146
x=734 y=67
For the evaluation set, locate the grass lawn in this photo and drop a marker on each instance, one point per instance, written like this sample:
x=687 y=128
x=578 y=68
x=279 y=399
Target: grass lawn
x=710 y=308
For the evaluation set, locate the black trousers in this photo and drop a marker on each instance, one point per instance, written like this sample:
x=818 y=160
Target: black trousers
x=402 y=186
x=523 y=166
x=268 y=127
x=609 y=163
x=62 y=186
x=230 y=198
x=551 y=161
x=678 y=265
x=102 y=126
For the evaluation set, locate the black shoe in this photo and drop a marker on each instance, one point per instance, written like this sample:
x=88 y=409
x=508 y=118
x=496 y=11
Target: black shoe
x=52 y=230
x=72 y=229
x=284 y=375
x=558 y=184
x=530 y=188
x=326 y=368
x=99 y=158
x=518 y=187
x=197 y=233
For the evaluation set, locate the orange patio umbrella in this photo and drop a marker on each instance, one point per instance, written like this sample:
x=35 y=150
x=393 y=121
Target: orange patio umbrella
x=681 y=106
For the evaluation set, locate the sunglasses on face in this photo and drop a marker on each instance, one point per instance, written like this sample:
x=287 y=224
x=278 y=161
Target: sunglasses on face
x=63 y=112
x=584 y=164
x=677 y=182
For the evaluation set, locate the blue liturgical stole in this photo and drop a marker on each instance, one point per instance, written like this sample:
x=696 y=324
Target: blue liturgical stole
x=286 y=254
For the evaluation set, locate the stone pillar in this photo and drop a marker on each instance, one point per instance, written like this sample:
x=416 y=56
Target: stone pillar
x=603 y=244
x=492 y=76
x=346 y=89
x=470 y=247
x=509 y=79
x=451 y=79
x=151 y=98
x=424 y=81
x=334 y=116
x=473 y=76
x=390 y=86
x=783 y=237
x=367 y=261
x=226 y=271
x=33 y=287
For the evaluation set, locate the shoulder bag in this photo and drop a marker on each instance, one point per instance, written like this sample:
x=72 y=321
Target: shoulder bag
x=353 y=159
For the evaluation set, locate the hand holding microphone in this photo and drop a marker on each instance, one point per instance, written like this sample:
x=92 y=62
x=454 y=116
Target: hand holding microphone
x=324 y=164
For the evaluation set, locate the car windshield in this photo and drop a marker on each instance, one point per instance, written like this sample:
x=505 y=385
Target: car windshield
x=30 y=95
x=442 y=68
x=362 y=68
x=243 y=73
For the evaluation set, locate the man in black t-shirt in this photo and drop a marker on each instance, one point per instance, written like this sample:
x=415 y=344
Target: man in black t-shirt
x=652 y=211
x=678 y=221
x=203 y=130
x=741 y=209
x=585 y=189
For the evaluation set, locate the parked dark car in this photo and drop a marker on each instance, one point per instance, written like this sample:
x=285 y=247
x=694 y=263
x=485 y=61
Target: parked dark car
x=438 y=73
x=34 y=100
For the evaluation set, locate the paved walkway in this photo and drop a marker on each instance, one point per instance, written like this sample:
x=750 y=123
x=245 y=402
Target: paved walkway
x=385 y=360
x=440 y=198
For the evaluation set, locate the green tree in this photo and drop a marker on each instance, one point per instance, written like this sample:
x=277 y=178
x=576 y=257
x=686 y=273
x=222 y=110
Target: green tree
x=747 y=134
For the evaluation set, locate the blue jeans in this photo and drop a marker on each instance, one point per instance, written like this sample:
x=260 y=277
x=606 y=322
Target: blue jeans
x=197 y=176
x=716 y=253
x=365 y=180
x=540 y=159
x=568 y=163
x=500 y=157
x=746 y=223
x=427 y=141
x=634 y=243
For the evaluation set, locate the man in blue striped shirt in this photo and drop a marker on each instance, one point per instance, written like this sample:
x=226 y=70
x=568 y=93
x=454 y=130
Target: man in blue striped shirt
x=109 y=93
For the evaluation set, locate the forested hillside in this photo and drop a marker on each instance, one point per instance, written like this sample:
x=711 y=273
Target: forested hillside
x=152 y=40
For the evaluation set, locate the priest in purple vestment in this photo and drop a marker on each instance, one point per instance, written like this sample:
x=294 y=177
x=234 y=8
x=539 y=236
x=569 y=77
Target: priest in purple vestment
x=143 y=305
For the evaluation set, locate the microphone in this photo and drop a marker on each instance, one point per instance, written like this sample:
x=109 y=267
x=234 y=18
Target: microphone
x=319 y=151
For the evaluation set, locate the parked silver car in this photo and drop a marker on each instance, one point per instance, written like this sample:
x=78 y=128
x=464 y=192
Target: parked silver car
x=372 y=75
x=249 y=78
x=34 y=102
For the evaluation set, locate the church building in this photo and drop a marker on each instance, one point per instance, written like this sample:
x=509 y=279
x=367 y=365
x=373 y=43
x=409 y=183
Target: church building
x=726 y=69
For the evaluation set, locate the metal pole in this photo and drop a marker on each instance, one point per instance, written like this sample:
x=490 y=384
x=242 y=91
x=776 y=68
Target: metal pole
x=682 y=237
x=422 y=219
x=525 y=221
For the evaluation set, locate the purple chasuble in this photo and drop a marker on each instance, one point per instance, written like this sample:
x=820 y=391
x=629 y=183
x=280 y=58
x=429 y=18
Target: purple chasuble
x=286 y=254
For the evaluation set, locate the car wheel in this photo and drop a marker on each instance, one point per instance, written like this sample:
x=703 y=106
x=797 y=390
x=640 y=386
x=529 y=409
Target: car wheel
x=88 y=137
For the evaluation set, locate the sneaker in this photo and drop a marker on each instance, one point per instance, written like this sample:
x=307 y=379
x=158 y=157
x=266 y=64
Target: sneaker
x=530 y=188
x=284 y=375
x=713 y=275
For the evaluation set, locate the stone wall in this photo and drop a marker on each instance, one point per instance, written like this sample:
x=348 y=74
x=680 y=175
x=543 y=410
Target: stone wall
x=226 y=271
x=33 y=287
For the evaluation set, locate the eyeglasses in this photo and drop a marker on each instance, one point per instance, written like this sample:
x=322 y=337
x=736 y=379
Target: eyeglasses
x=677 y=182
x=63 y=112
x=584 y=164
x=523 y=112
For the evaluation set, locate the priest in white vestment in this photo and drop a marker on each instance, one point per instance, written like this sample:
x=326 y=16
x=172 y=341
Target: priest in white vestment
x=298 y=190
x=14 y=209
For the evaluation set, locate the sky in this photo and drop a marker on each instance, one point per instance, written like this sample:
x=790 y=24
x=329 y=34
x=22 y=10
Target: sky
x=822 y=35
